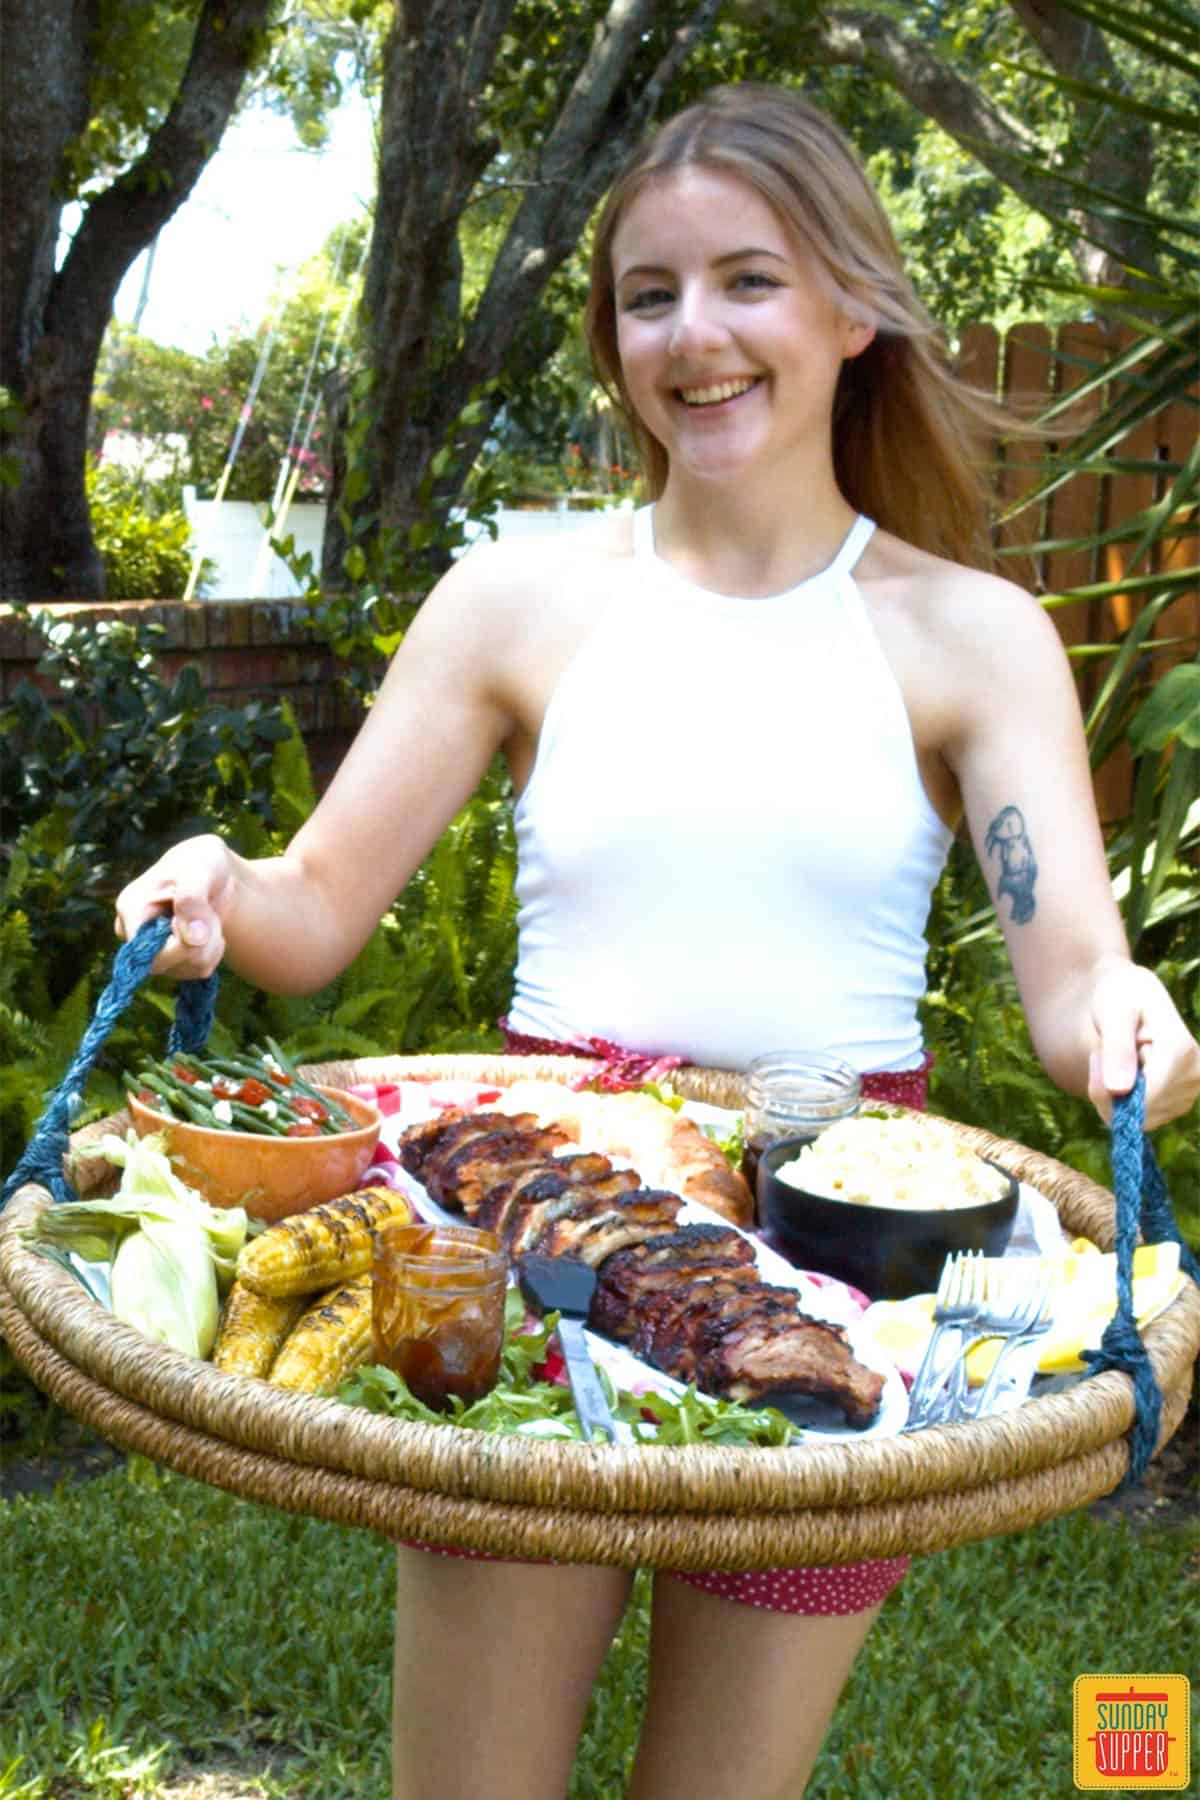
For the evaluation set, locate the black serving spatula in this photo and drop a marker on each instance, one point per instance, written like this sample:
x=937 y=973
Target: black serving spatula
x=564 y=1285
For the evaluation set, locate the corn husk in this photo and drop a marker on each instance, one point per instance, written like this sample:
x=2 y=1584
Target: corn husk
x=158 y=1250
x=165 y=1286
x=149 y=1190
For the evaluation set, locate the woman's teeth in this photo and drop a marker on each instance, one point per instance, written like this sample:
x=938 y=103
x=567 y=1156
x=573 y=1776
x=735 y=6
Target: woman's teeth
x=711 y=396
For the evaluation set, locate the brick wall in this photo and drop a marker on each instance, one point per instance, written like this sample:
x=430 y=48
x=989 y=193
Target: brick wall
x=244 y=650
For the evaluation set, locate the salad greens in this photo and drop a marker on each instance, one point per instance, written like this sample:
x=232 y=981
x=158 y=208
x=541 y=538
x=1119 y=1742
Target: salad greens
x=525 y=1402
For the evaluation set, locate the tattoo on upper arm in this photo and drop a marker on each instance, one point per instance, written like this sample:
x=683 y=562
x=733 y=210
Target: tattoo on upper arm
x=1008 y=839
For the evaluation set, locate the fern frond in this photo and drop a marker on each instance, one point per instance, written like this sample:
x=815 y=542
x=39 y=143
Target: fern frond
x=294 y=793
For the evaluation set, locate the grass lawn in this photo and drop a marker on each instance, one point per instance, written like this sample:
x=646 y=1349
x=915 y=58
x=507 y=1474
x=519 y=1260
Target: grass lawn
x=161 y=1638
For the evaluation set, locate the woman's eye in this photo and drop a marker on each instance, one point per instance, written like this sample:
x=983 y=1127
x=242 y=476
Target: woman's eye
x=646 y=299
x=755 y=278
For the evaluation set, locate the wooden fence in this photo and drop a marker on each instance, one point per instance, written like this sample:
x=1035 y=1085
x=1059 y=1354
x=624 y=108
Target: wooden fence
x=1029 y=367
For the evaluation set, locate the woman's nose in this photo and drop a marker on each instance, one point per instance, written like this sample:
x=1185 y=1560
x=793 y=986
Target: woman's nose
x=696 y=325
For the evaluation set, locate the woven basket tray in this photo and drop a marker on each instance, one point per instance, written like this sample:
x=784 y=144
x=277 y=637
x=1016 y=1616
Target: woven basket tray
x=706 y=1506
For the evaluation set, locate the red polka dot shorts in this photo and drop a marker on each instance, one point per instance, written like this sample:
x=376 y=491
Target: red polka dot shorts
x=824 y=1591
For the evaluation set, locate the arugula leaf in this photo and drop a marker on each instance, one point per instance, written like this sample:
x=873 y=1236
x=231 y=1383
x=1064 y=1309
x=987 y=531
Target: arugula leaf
x=731 y=1143
x=663 y=1092
x=521 y=1403
x=697 y=1418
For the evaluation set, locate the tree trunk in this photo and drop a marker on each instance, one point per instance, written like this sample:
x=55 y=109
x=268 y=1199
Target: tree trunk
x=1119 y=157
x=428 y=363
x=54 y=323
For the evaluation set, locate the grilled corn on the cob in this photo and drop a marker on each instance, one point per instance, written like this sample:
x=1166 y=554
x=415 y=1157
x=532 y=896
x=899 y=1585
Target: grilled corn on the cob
x=321 y=1248
x=332 y=1338
x=253 y=1327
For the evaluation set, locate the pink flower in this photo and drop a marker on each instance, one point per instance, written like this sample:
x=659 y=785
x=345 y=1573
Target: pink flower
x=206 y=402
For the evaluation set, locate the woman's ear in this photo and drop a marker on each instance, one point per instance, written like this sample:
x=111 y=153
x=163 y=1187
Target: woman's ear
x=857 y=334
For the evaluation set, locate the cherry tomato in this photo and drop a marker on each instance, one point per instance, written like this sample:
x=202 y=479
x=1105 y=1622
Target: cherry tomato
x=188 y=1076
x=253 y=1093
x=554 y=1369
x=303 y=1128
x=225 y=1088
x=310 y=1109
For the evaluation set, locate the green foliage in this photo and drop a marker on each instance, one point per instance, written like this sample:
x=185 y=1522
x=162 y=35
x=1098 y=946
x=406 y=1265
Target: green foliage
x=972 y=248
x=434 y=976
x=985 y=1069
x=38 y=1036
x=95 y=784
x=12 y=415
x=187 y=408
x=137 y=55
x=96 y=781
x=1152 y=365
x=146 y=555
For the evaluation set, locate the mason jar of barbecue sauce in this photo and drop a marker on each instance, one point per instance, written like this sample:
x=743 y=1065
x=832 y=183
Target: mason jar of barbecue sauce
x=437 y=1309
x=790 y=1093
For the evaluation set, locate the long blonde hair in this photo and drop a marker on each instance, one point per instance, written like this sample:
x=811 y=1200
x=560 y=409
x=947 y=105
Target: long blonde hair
x=908 y=433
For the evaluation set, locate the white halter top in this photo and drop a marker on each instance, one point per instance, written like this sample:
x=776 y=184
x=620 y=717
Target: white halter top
x=725 y=846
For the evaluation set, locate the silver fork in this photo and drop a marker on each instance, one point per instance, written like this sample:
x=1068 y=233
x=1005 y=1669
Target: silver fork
x=956 y=1305
x=1040 y=1317
x=1015 y=1312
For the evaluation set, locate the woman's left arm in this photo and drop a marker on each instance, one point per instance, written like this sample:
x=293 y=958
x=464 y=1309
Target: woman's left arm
x=1020 y=758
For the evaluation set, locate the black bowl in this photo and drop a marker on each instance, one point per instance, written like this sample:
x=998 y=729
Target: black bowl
x=889 y=1252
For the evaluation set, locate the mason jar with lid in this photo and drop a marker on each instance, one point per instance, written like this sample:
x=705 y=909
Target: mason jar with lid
x=790 y=1093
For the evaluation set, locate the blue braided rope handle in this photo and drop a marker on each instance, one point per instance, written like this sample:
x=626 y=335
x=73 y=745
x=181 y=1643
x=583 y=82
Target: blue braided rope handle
x=1142 y=1200
x=195 y=1004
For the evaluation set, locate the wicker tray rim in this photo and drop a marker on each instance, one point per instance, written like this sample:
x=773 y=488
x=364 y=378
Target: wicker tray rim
x=847 y=1499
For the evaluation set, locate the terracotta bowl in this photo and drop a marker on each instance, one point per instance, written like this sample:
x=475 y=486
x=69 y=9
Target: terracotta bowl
x=888 y=1252
x=271 y=1177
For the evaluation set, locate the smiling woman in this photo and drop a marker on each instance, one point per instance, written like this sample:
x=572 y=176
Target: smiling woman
x=743 y=726
x=730 y=357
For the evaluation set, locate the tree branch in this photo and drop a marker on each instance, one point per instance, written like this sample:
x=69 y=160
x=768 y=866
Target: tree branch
x=124 y=220
x=582 y=154
x=993 y=137
x=1118 y=148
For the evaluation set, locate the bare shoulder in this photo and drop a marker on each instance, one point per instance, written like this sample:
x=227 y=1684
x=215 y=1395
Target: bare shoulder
x=507 y=618
x=523 y=580
x=972 y=619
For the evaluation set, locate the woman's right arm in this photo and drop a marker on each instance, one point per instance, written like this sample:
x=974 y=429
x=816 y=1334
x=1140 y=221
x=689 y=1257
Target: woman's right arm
x=289 y=923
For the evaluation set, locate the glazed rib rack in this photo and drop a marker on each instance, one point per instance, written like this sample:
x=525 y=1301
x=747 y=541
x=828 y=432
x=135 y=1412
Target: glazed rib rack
x=687 y=1299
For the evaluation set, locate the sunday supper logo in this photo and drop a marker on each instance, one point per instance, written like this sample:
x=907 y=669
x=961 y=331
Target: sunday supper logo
x=1132 y=1731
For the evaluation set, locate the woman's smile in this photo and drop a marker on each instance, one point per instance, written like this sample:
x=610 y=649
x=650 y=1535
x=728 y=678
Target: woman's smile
x=717 y=393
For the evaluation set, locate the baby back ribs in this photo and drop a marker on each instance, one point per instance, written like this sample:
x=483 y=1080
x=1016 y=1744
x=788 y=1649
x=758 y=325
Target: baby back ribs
x=595 y=1229
x=762 y=1357
x=463 y=1178
x=670 y=1264
x=531 y=1203
x=687 y=1299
